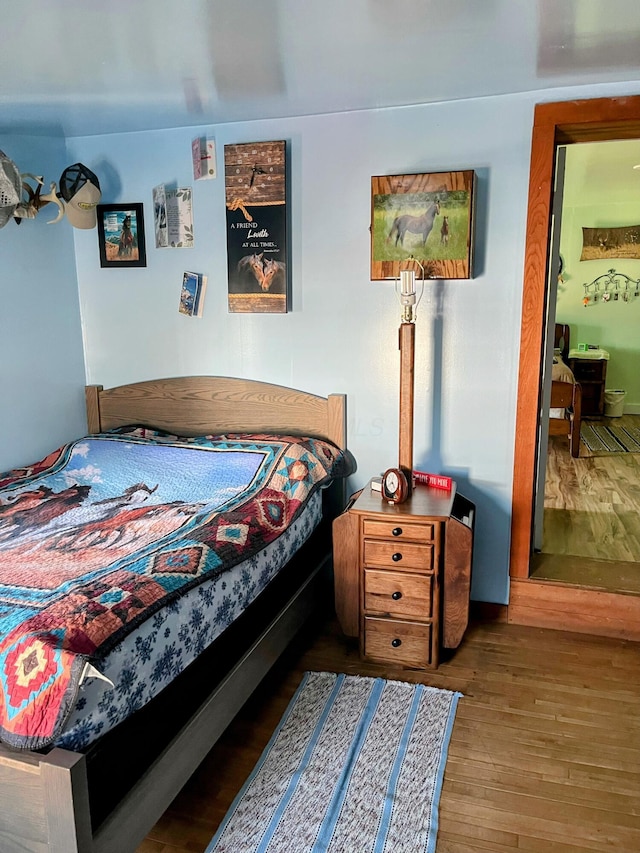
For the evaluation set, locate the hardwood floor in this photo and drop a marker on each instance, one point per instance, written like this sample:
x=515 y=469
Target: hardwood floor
x=592 y=512
x=544 y=755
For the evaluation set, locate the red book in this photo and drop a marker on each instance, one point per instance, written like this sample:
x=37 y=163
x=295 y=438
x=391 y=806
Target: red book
x=436 y=481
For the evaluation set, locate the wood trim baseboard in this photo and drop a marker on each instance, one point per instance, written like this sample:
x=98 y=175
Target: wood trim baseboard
x=565 y=607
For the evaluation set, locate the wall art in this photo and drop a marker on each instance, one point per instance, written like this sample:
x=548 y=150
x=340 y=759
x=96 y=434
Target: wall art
x=601 y=243
x=429 y=217
x=121 y=235
x=256 y=202
x=192 y=293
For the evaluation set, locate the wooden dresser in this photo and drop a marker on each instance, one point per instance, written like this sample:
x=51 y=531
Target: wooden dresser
x=591 y=373
x=402 y=574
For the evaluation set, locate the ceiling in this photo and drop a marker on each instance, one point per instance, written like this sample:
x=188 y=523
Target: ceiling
x=80 y=67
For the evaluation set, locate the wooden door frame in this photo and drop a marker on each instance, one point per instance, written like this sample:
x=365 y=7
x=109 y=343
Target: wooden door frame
x=554 y=124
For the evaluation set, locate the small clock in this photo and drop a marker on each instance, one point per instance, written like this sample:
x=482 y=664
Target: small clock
x=395 y=488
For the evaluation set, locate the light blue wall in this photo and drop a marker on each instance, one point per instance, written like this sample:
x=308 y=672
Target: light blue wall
x=41 y=357
x=341 y=335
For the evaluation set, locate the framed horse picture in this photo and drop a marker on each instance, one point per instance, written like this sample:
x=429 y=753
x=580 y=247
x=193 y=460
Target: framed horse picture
x=121 y=235
x=428 y=218
x=257 y=224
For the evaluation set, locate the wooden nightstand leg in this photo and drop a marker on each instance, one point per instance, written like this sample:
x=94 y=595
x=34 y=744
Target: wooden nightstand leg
x=346 y=573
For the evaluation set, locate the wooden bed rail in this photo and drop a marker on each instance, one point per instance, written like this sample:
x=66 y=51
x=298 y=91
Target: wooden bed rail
x=45 y=802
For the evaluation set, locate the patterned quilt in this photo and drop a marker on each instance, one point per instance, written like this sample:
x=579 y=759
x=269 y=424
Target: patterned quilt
x=106 y=530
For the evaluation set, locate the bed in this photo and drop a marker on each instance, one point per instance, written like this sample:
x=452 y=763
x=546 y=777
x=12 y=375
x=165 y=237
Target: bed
x=105 y=796
x=565 y=408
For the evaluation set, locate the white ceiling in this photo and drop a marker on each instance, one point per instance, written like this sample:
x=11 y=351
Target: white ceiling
x=83 y=67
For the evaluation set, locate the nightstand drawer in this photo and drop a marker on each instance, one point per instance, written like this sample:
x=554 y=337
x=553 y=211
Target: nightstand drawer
x=405 y=643
x=398 y=530
x=398 y=555
x=585 y=369
x=398 y=594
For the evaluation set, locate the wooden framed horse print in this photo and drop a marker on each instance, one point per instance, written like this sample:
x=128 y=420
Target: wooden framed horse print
x=121 y=235
x=428 y=218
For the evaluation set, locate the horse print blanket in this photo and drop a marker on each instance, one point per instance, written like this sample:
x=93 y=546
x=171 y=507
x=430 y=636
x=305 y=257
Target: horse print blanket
x=104 y=531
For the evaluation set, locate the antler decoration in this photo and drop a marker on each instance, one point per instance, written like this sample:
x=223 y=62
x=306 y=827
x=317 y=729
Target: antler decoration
x=35 y=201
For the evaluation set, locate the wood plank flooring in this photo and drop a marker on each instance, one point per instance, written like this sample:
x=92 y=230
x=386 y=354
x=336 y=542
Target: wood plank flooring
x=544 y=754
x=592 y=511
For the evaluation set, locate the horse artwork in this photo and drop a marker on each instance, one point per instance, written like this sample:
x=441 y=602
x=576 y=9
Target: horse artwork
x=426 y=218
x=257 y=273
x=421 y=225
x=125 y=246
x=121 y=235
x=444 y=231
x=258 y=280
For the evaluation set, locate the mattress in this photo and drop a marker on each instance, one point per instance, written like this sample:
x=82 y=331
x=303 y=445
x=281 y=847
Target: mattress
x=160 y=649
x=103 y=539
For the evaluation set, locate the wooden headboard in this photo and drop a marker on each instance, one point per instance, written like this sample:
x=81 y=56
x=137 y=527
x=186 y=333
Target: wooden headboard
x=561 y=340
x=203 y=405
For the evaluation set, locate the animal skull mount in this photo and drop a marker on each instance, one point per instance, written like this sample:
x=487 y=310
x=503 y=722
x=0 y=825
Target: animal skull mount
x=33 y=200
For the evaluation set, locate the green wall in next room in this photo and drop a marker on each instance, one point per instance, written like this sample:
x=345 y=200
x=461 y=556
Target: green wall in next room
x=602 y=190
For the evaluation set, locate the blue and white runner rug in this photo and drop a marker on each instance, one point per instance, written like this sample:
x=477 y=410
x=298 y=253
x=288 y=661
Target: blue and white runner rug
x=355 y=765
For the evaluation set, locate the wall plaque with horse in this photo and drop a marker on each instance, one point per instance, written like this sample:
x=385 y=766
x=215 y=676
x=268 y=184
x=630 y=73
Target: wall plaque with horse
x=428 y=217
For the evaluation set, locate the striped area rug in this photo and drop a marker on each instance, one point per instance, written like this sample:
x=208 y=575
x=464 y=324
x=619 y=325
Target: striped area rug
x=610 y=439
x=356 y=764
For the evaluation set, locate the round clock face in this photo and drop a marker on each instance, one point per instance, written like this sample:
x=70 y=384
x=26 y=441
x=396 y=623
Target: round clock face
x=394 y=486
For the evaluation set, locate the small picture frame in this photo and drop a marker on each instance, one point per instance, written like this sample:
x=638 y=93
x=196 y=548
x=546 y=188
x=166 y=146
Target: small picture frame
x=424 y=217
x=121 y=235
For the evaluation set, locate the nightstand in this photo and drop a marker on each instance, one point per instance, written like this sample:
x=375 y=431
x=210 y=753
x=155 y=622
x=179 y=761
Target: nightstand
x=402 y=574
x=591 y=373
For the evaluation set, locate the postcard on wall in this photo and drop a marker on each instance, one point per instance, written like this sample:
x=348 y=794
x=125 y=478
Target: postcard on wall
x=256 y=201
x=427 y=217
x=160 y=216
x=179 y=218
x=203 y=154
x=192 y=293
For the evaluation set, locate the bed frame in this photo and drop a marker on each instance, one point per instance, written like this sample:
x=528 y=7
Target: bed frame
x=45 y=799
x=567 y=396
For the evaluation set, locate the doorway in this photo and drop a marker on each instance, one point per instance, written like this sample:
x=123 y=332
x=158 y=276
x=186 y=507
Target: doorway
x=540 y=602
x=587 y=519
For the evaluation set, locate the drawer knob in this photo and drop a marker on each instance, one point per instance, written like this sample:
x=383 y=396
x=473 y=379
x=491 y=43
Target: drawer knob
x=396 y=595
x=397 y=531
x=396 y=557
x=397 y=642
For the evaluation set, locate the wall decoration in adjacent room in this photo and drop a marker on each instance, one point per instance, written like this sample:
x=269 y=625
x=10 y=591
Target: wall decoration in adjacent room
x=121 y=235
x=602 y=243
x=194 y=287
x=428 y=217
x=256 y=201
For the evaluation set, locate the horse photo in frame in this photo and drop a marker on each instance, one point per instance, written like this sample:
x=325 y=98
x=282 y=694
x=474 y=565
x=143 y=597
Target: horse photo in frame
x=428 y=217
x=121 y=235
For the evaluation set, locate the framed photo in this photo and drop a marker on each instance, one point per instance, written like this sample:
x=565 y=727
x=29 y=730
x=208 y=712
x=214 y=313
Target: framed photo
x=121 y=235
x=426 y=217
x=599 y=244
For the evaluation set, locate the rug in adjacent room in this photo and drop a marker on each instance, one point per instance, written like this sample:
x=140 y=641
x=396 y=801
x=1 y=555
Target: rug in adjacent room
x=610 y=439
x=356 y=764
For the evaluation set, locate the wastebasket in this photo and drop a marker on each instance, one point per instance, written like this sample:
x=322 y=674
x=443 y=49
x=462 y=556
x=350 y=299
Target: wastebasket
x=614 y=403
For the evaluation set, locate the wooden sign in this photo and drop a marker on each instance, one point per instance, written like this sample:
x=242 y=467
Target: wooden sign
x=427 y=218
x=256 y=201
